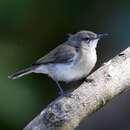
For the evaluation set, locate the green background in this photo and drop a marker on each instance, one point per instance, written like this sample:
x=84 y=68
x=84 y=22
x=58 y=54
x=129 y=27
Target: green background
x=30 y=29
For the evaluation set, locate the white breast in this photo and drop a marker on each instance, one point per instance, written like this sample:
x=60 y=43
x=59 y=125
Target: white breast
x=81 y=67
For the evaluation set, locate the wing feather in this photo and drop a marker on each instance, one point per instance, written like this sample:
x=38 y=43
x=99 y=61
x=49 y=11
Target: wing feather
x=61 y=54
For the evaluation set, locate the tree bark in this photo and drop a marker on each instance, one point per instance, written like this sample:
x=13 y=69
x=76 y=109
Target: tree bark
x=65 y=113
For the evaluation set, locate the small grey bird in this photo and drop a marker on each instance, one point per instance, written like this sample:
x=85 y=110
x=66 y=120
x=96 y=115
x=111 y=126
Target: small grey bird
x=72 y=60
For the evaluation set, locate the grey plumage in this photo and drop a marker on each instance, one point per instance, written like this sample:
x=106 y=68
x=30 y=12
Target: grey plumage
x=66 y=51
x=72 y=60
x=61 y=54
x=22 y=73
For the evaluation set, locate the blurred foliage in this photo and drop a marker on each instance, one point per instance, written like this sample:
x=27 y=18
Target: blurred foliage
x=29 y=29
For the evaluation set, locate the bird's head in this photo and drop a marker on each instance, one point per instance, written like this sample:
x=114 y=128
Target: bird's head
x=86 y=38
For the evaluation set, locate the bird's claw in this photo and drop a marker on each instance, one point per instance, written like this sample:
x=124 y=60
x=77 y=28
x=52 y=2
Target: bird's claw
x=65 y=94
x=89 y=80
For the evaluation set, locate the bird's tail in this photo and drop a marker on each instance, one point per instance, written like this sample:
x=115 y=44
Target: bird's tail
x=21 y=73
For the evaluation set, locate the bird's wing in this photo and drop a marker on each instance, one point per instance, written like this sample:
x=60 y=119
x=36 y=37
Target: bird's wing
x=61 y=54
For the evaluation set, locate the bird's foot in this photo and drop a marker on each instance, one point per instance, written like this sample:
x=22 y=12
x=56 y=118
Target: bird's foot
x=89 y=80
x=65 y=94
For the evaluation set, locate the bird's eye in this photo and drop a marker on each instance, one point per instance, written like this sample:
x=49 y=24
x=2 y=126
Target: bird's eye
x=86 y=39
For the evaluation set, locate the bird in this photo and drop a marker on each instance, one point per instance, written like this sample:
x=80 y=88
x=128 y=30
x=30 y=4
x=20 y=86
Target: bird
x=70 y=61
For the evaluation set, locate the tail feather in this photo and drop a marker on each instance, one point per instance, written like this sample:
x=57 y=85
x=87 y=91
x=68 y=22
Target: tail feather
x=21 y=73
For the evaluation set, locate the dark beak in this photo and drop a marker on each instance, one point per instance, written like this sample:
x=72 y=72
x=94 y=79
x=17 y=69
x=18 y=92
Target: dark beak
x=101 y=35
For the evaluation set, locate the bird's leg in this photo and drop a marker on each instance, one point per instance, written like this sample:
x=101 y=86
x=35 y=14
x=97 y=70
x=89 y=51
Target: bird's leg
x=61 y=90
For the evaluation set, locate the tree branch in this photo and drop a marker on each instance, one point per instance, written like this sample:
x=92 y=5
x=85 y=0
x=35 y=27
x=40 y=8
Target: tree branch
x=65 y=113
